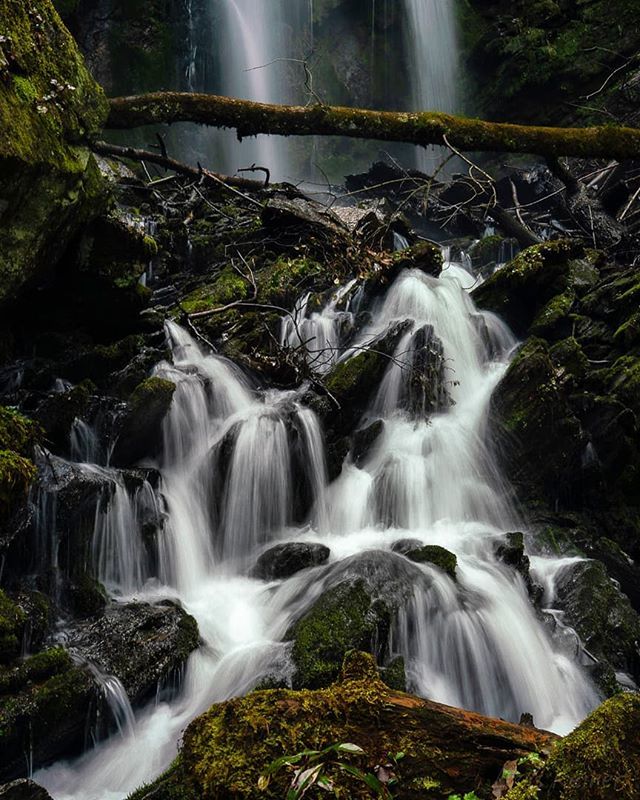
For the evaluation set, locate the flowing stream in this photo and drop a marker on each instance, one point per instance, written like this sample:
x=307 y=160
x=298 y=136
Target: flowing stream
x=234 y=463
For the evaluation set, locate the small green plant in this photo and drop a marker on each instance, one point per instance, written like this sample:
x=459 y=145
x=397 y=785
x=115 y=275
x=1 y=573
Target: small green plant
x=319 y=768
x=467 y=796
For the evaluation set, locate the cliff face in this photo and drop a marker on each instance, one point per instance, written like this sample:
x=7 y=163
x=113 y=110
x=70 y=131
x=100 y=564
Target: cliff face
x=49 y=104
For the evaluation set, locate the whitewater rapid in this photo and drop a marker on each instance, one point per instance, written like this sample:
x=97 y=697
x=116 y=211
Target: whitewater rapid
x=229 y=479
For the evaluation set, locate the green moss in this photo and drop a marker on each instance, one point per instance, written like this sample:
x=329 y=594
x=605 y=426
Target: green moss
x=556 y=312
x=16 y=476
x=352 y=375
x=226 y=750
x=17 y=432
x=436 y=555
x=283 y=281
x=48 y=104
x=12 y=622
x=36 y=669
x=341 y=620
x=171 y=785
x=600 y=760
x=229 y=287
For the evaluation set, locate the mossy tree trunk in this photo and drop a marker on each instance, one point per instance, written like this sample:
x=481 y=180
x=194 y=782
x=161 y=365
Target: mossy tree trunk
x=420 y=128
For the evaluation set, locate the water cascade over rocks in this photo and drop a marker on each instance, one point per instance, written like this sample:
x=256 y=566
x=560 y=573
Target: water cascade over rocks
x=243 y=468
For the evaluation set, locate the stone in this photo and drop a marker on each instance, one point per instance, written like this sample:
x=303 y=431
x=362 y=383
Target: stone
x=284 y=560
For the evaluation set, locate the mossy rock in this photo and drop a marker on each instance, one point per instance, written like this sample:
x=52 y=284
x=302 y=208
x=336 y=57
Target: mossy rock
x=521 y=290
x=142 y=426
x=12 y=624
x=543 y=440
x=600 y=760
x=49 y=183
x=225 y=751
x=16 y=475
x=345 y=617
x=440 y=557
x=17 y=432
x=47 y=714
x=601 y=615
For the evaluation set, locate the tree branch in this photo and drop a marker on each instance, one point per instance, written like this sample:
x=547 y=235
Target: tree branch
x=421 y=128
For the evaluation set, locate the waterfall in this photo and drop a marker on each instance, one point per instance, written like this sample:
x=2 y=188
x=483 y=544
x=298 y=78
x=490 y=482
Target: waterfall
x=243 y=467
x=433 y=59
x=255 y=59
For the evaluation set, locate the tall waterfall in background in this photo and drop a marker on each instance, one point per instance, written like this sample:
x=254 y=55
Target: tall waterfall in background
x=433 y=57
x=255 y=53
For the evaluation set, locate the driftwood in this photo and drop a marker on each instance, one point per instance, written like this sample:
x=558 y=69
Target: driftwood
x=420 y=128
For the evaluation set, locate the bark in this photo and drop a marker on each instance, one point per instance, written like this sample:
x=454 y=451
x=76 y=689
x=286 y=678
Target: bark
x=446 y=749
x=420 y=128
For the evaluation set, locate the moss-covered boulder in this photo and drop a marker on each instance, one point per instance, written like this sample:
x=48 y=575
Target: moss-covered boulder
x=446 y=750
x=44 y=704
x=12 y=625
x=49 y=182
x=359 y=600
x=437 y=556
x=542 y=438
x=141 y=432
x=600 y=760
x=18 y=437
x=601 y=614
x=539 y=284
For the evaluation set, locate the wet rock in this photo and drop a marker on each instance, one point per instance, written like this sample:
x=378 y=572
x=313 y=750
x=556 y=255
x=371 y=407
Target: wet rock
x=287 y=212
x=364 y=441
x=141 y=432
x=140 y=644
x=601 y=614
x=284 y=560
x=352 y=381
x=46 y=702
x=394 y=674
x=358 y=600
x=599 y=760
x=23 y=790
x=404 y=546
x=438 y=556
x=510 y=550
x=426 y=389
x=543 y=442
x=521 y=290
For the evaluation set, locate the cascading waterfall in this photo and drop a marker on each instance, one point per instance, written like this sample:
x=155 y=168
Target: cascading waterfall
x=433 y=56
x=239 y=464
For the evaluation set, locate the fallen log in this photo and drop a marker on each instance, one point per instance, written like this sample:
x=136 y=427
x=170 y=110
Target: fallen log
x=421 y=128
x=439 y=750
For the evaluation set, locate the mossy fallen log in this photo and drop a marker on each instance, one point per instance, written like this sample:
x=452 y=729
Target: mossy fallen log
x=445 y=750
x=420 y=128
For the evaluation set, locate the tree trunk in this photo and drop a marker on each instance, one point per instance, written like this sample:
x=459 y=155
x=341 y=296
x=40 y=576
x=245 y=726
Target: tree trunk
x=423 y=128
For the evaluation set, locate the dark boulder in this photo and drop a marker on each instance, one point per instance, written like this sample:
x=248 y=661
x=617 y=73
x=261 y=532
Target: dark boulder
x=437 y=556
x=284 y=560
x=141 y=644
x=601 y=615
x=141 y=432
x=355 y=608
x=23 y=789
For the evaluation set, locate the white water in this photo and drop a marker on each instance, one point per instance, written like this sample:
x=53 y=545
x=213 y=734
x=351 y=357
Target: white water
x=234 y=464
x=255 y=58
x=433 y=58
